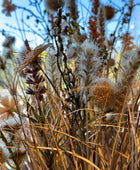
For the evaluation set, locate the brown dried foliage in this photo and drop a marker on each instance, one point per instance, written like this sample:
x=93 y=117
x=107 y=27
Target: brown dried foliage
x=8 y=7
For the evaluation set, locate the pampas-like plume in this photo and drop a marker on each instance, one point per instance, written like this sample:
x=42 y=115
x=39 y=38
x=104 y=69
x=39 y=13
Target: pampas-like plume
x=129 y=65
x=89 y=64
x=51 y=68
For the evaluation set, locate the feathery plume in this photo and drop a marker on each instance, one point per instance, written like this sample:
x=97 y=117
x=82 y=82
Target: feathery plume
x=51 y=67
x=88 y=64
x=129 y=65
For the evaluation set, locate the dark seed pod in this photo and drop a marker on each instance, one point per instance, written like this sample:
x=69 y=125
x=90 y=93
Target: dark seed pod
x=110 y=12
x=42 y=90
x=29 y=80
x=39 y=79
x=52 y=5
x=30 y=91
x=27 y=70
x=35 y=69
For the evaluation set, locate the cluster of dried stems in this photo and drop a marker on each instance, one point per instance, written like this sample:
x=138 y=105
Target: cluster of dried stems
x=74 y=102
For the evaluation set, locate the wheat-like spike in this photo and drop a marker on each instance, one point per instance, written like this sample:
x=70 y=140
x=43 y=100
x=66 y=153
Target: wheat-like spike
x=88 y=63
x=101 y=21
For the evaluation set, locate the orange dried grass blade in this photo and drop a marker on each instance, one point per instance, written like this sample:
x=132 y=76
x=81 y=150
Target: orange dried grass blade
x=39 y=49
x=32 y=56
x=12 y=102
x=1 y=165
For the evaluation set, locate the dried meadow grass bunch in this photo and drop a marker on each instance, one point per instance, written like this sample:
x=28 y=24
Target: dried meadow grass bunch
x=70 y=87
